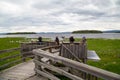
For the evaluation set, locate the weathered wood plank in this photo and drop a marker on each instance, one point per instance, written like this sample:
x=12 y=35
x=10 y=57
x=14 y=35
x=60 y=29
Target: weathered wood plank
x=21 y=71
x=80 y=66
x=44 y=59
x=46 y=75
x=35 y=77
x=9 y=57
x=9 y=50
x=60 y=71
x=70 y=53
x=50 y=74
x=75 y=51
x=48 y=47
x=28 y=52
x=7 y=64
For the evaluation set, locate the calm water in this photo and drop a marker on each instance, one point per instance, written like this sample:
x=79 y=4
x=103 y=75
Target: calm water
x=53 y=35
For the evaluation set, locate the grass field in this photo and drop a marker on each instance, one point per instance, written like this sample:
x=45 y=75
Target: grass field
x=109 y=52
x=107 y=49
x=7 y=43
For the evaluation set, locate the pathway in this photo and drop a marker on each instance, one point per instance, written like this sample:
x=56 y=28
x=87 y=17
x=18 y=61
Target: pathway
x=23 y=71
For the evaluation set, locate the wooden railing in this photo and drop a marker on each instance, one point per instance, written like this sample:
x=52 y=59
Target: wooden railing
x=77 y=70
x=26 y=48
x=9 y=58
x=45 y=63
x=21 y=54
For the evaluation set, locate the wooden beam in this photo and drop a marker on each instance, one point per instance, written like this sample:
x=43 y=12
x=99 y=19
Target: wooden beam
x=9 y=50
x=55 y=69
x=9 y=57
x=46 y=75
x=5 y=65
x=80 y=66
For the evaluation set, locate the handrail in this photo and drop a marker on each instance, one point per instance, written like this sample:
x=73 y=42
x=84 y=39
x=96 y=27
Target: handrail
x=6 y=51
x=22 y=54
x=100 y=73
x=9 y=50
x=48 y=47
x=7 y=64
x=60 y=71
x=9 y=57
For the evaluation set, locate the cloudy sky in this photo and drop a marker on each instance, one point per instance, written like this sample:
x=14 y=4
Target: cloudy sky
x=58 y=15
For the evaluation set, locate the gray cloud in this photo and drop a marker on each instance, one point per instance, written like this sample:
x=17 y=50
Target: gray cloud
x=58 y=12
x=28 y=21
x=117 y=2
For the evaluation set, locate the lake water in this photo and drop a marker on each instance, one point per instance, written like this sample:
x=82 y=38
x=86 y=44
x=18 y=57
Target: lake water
x=67 y=35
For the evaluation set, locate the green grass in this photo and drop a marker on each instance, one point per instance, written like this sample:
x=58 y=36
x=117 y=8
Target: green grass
x=7 y=43
x=109 y=52
x=107 y=49
x=12 y=42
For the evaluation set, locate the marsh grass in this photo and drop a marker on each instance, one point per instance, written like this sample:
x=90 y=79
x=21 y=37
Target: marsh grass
x=8 y=43
x=12 y=42
x=109 y=52
x=107 y=49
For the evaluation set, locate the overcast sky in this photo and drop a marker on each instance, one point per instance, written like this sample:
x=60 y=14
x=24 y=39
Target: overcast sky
x=58 y=15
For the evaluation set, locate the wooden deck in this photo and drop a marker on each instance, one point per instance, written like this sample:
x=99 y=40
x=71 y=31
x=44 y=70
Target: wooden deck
x=23 y=71
x=49 y=54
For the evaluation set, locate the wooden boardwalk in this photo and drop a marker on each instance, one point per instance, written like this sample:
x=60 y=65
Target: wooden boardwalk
x=23 y=71
x=77 y=71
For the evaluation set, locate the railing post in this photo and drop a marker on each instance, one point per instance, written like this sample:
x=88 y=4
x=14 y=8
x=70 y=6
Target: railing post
x=22 y=52
x=50 y=49
x=36 y=65
x=86 y=69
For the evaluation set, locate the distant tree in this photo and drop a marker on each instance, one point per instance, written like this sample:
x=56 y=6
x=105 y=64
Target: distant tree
x=22 y=33
x=87 y=31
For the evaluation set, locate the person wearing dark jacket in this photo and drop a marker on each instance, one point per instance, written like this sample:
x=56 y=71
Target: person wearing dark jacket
x=57 y=40
x=71 y=39
x=40 y=40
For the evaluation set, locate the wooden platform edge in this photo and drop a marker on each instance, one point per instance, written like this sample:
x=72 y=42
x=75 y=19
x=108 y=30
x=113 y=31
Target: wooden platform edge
x=15 y=66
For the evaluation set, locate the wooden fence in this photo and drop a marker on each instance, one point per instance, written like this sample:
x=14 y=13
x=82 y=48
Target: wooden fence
x=77 y=70
x=21 y=54
x=74 y=51
x=8 y=58
x=48 y=63
x=26 y=48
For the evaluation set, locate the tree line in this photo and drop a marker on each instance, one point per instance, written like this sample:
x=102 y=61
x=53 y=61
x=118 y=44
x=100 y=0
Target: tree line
x=87 y=31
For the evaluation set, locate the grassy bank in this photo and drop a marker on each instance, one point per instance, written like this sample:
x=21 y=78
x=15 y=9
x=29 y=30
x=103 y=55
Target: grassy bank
x=7 y=43
x=107 y=49
x=109 y=52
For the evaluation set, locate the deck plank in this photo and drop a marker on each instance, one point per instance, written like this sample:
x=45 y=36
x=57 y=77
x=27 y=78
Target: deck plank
x=21 y=71
x=37 y=78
